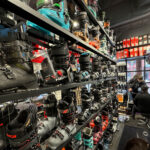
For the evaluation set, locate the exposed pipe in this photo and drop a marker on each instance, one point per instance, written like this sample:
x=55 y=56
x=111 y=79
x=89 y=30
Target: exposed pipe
x=130 y=20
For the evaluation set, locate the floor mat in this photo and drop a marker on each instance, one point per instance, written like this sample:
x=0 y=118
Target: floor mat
x=130 y=132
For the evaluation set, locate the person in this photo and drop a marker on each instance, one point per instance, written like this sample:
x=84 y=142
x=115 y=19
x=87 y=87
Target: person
x=135 y=84
x=142 y=101
x=137 y=144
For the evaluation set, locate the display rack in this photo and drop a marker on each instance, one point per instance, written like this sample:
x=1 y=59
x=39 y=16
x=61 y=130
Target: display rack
x=96 y=146
x=133 y=47
x=22 y=10
x=32 y=93
x=80 y=127
x=82 y=4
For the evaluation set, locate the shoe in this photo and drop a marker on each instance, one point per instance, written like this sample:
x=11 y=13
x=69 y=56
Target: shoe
x=21 y=131
x=82 y=118
x=61 y=135
x=55 y=12
x=50 y=121
x=7 y=113
x=15 y=71
x=87 y=138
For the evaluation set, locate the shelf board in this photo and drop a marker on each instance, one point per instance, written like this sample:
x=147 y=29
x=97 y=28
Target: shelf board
x=22 y=10
x=82 y=4
x=32 y=93
x=133 y=47
x=80 y=127
x=133 y=58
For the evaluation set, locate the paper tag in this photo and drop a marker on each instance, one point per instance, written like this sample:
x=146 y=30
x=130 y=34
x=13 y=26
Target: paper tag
x=37 y=67
x=57 y=37
x=58 y=95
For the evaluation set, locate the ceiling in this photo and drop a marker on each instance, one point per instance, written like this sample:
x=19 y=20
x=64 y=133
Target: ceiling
x=121 y=10
x=128 y=17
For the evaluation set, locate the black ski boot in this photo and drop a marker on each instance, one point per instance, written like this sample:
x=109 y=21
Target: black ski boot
x=50 y=121
x=22 y=131
x=85 y=66
x=7 y=113
x=15 y=69
x=60 y=57
x=63 y=132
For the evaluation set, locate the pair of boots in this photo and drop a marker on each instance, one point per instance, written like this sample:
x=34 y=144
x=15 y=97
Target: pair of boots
x=20 y=127
x=67 y=127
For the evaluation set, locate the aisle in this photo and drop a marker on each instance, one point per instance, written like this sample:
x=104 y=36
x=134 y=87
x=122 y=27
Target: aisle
x=127 y=131
x=116 y=137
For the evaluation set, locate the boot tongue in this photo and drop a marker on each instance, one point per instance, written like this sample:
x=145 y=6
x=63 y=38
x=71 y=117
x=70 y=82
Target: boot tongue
x=50 y=106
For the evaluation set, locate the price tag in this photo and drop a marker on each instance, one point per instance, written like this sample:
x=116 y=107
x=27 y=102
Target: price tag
x=57 y=37
x=37 y=67
x=120 y=97
x=58 y=95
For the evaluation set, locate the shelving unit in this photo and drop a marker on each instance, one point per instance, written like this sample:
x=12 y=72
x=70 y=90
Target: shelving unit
x=19 y=8
x=82 y=4
x=133 y=47
x=95 y=147
x=80 y=127
x=32 y=93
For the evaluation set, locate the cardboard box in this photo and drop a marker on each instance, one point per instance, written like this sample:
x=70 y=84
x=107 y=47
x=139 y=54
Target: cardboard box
x=136 y=52
x=141 y=51
x=132 y=41
x=136 y=41
x=148 y=38
x=132 y=52
x=124 y=43
x=126 y=53
x=148 y=49
x=118 y=55
x=145 y=39
x=140 y=40
x=121 y=44
x=128 y=43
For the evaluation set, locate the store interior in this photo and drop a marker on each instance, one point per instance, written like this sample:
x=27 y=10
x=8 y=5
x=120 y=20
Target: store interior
x=74 y=75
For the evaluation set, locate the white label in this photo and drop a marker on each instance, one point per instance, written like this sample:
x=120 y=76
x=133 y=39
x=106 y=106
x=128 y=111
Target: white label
x=56 y=37
x=37 y=67
x=58 y=95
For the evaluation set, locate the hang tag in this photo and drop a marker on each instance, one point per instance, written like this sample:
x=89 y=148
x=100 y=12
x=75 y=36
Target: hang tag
x=58 y=95
x=37 y=67
x=57 y=37
x=73 y=67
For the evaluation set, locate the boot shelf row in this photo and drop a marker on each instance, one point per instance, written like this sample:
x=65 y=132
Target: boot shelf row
x=22 y=10
x=95 y=147
x=80 y=127
x=133 y=47
x=26 y=94
x=82 y=4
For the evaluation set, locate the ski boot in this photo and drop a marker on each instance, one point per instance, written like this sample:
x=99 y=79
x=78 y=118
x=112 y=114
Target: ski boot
x=46 y=125
x=22 y=132
x=97 y=129
x=83 y=30
x=94 y=40
x=85 y=67
x=15 y=69
x=44 y=68
x=87 y=138
x=77 y=141
x=7 y=113
x=55 y=12
x=7 y=18
x=60 y=57
x=63 y=132
x=96 y=68
x=86 y=105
